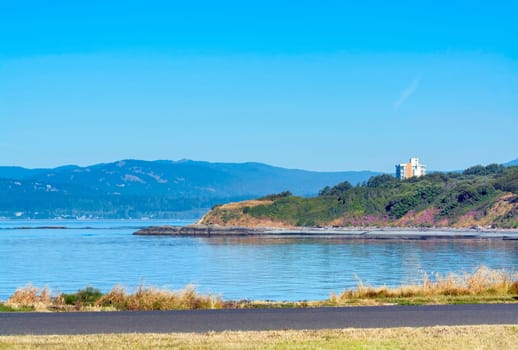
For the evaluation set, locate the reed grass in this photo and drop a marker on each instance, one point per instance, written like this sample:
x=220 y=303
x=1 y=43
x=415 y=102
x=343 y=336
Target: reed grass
x=483 y=285
x=159 y=299
x=144 y=298
x=483 y=282
x=30 y=297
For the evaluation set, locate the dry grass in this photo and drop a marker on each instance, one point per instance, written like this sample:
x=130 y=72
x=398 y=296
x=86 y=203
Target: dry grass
x=501 y=207
x=458 y=337
x=159 y=299
x=484 y=282
x=30 y=297
x=242 y=204
x=145 y=298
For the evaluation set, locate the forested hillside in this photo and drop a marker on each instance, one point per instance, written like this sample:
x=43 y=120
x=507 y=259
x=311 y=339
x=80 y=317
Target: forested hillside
x=485 y=196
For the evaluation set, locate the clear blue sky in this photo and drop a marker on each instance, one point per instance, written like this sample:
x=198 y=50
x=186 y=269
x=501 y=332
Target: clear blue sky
x=320 y=85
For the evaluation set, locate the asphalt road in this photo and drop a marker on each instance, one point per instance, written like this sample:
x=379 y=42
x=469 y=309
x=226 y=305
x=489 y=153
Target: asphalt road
x=258 y=319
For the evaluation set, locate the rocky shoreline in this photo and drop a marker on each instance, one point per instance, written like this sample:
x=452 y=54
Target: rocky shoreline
x=198 y=230
x=376 y=233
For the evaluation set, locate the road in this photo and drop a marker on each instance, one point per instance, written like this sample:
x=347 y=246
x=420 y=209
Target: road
x=258 y=319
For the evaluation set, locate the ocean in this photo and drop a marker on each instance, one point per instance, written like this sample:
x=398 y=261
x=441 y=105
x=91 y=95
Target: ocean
x=105 y=253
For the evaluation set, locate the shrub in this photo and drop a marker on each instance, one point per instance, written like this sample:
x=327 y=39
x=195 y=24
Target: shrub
x=337 y=190
x=275 y=196
x=82 y=297
x=30 y=296
x=508 y=180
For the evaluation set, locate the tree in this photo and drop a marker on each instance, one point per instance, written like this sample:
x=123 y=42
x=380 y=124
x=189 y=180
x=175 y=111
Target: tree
x=484 y=170
x=337 y=190
x=380 y=180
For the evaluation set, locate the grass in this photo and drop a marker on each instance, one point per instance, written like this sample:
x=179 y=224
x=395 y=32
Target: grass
x=484 y=285
x=299 y=211
x=117 y=299
x=7 y=308
x=159 y=299
x=457 y=337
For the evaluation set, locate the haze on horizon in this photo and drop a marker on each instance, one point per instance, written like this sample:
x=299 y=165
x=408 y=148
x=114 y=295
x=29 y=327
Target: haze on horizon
x=318 y=86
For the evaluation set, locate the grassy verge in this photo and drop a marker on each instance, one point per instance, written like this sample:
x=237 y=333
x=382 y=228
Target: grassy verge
x=7 y=308
x=458 y=337
x=482 y=286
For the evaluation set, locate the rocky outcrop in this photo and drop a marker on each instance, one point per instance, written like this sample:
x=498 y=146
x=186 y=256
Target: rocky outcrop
x=199 y=230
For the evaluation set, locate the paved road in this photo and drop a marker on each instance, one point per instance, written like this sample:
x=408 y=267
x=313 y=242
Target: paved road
x=259 y=319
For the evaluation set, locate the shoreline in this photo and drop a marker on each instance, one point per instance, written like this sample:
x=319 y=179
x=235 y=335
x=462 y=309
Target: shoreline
x=374 y=233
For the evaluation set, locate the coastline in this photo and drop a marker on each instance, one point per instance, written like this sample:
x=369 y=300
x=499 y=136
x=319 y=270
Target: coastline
x=371 y=233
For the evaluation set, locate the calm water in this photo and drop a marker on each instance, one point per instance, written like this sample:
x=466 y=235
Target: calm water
x=106 y=253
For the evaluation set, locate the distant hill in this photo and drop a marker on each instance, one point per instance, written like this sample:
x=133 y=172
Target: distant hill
x=19 y=173
x=512 y=162
x=136 y=188
x=480 y=196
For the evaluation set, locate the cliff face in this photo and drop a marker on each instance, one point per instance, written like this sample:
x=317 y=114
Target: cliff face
x=464 y=200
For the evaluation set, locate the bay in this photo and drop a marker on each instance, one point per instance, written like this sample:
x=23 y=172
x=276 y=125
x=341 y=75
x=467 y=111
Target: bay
x=105 y=253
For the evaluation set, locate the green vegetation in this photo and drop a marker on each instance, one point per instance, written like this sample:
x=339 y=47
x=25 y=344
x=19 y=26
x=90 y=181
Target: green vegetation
x=507 y=180
x=83 y=297
x=297 y=211
x=7 y=308
x=275 y=196
x=439 y=199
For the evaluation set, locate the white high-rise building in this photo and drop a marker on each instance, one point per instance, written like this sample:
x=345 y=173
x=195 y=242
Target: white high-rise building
x=410 y=169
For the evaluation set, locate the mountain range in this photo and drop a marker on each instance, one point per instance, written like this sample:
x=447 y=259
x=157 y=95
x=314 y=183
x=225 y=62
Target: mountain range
x=157 y=189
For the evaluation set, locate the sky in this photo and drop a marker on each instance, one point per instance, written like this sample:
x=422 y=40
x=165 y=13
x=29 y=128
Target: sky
x=318 y=85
